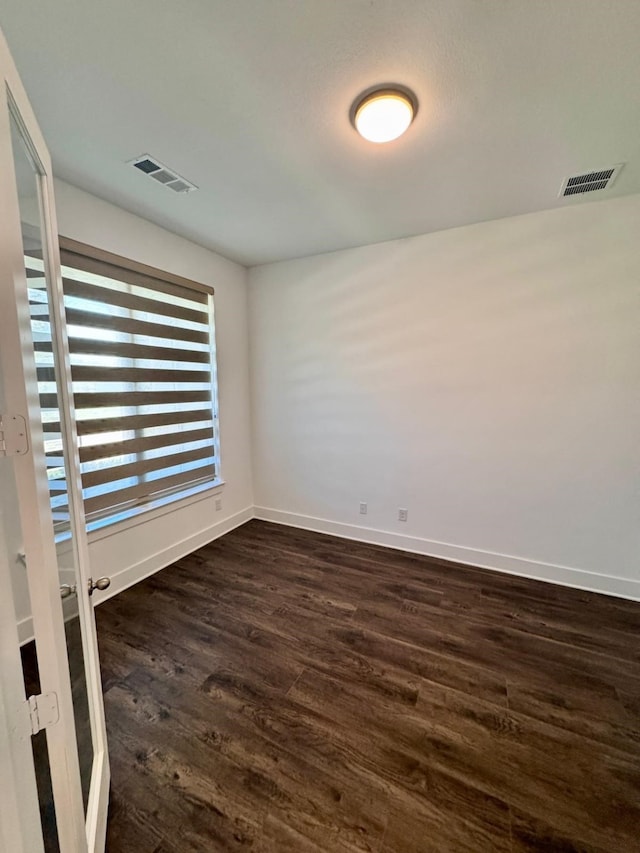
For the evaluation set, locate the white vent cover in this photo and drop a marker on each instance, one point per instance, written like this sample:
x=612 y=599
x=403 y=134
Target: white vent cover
x=587 y=182
x=154 y=169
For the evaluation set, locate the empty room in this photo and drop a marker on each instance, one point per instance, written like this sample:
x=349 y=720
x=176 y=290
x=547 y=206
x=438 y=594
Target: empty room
x=320 y=426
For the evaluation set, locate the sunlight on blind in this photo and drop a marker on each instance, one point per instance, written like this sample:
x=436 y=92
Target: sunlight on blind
x=143 y=372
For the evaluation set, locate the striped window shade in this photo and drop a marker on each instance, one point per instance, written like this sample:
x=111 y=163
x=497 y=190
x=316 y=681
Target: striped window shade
x=142 y=353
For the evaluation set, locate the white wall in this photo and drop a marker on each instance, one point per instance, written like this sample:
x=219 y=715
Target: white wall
x=152 y=544
x=486 y=378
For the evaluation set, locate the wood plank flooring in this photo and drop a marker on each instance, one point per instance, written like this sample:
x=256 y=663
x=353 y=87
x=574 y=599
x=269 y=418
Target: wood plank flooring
x=280 y=690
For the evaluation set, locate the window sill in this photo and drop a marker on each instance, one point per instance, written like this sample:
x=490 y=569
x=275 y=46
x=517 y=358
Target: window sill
x=134 y=516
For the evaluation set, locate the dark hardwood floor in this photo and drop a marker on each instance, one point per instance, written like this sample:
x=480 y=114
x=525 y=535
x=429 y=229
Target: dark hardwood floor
x=280 y=690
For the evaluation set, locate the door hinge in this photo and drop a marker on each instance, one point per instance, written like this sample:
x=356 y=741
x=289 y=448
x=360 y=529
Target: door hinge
x=43 y=711
x=13 y=435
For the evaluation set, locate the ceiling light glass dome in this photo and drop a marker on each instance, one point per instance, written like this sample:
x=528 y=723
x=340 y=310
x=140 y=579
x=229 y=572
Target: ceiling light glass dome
x=384 y=114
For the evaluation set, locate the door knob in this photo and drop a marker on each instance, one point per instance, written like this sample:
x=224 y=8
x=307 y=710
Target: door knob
x=67 y=589
x=101 y=583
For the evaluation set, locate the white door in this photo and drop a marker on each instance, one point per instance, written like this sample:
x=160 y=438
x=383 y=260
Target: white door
x=54 y=769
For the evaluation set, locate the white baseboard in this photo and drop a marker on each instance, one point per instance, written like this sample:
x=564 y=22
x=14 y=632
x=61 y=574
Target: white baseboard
x=25 y=630
x=562 y=575
x=161 y=559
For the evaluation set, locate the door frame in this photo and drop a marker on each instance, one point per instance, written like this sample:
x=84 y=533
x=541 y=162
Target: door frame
x=75 y=834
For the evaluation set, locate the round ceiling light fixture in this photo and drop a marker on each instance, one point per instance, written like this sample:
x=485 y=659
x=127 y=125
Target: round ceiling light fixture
x=384 y=113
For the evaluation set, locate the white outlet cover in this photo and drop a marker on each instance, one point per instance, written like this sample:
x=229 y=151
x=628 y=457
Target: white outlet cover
x=363 y=508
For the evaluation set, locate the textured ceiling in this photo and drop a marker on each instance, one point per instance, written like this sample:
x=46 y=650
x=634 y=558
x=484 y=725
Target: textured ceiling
x=249 y=99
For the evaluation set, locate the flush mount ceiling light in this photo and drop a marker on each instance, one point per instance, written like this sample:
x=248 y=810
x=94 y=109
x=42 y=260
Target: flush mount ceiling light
x=384 y=113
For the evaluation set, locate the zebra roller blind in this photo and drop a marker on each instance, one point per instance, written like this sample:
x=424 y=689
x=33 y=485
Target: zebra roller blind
x=142 y=352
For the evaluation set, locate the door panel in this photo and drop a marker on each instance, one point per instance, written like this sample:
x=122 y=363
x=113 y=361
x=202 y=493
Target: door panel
x=40 y=309
x=59 y=651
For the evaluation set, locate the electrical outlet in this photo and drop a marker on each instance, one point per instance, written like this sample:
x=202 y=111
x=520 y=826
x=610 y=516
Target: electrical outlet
x=218 y=504
x=363 y=508
x=402 y=514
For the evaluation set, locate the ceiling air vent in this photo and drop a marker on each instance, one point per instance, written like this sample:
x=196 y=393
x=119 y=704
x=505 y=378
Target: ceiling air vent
x=154 y=169
x=598 y=179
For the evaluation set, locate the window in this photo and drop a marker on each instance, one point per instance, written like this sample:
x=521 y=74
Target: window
x=142 y=352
